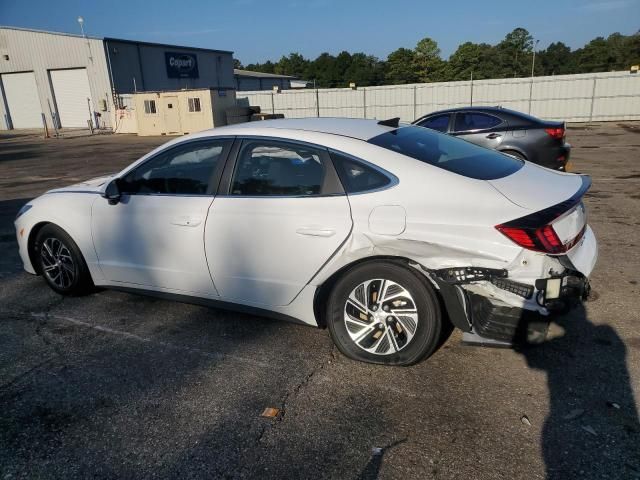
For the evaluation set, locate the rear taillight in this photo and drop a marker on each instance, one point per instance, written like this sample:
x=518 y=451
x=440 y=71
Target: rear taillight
x=557 y=133
x=542 y=239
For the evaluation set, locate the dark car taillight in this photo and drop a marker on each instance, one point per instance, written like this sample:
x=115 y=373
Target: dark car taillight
x=557 y=133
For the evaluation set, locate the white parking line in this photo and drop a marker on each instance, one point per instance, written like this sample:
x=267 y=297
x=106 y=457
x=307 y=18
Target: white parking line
x=133 y=336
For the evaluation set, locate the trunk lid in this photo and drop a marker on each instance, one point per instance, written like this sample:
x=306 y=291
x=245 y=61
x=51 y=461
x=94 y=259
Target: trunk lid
x=536 y=188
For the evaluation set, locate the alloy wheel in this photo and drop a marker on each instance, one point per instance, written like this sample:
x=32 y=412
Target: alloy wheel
x=381 y=316
x=57 y=263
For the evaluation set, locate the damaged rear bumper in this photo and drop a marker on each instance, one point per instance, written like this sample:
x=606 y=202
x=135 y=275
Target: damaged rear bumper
x=475 y=301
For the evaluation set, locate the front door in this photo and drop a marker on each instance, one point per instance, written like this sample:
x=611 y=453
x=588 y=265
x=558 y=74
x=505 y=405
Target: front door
x=284 y=216
x=171 y=114
x=479 y=128
x=154 y=236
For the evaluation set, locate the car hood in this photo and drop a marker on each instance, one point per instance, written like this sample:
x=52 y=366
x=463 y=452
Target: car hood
x=93 y=185
x=535 y=188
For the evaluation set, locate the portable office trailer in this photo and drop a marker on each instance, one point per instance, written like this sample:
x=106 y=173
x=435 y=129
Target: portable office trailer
x=181 y=111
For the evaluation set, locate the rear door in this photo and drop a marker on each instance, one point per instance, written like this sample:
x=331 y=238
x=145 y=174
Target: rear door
x=283 y=215
x=480 y=128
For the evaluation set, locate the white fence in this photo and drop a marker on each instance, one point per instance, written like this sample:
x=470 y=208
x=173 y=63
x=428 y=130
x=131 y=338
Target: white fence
x=574 y=98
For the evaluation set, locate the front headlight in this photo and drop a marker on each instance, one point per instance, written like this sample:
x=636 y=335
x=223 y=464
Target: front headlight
x=23 y=210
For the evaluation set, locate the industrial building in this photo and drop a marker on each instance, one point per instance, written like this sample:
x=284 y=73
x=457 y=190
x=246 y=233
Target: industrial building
x=70 y=80
x=246 y=80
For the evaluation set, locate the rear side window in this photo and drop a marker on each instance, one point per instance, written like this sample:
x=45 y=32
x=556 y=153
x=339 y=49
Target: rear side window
x=449 y=153
x=439 y=123
x=356 y=176
x=475 y=121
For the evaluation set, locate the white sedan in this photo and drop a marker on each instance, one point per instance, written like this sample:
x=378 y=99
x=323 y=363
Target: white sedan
x=388 y=235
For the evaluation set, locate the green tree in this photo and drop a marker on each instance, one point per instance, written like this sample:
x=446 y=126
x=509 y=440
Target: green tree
x=237 y=63
x=514 y=53
x=472 y=57
x=400 y=67
x=556 y=59
x=429 y=67
x=295 y=65
x=364 y=70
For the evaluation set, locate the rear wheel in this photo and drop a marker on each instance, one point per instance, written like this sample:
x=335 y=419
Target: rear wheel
x=384 y=313
x=61 y=262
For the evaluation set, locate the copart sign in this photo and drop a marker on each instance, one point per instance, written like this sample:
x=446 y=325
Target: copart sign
x=181 y=65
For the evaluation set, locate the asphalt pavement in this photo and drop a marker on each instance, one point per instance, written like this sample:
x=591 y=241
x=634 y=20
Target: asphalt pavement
x=115 y=385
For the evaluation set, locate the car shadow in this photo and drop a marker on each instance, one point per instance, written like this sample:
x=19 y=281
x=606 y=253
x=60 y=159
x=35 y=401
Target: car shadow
x=592 y=429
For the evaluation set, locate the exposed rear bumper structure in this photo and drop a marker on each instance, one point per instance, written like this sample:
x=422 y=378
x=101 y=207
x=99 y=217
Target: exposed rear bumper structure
x=475 y=302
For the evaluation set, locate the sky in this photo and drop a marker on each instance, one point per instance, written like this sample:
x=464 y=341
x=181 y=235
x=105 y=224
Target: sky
x=260 y=30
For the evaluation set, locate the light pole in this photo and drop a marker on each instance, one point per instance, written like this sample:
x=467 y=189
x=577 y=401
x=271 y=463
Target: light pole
x=533 y=60
x=533 y=66
x=81 y=22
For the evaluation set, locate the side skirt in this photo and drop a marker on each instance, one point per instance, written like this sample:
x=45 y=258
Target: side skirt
x=207 y=302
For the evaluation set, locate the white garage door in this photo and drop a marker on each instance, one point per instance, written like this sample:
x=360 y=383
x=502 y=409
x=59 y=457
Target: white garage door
x=21 y=94
x=71 y=90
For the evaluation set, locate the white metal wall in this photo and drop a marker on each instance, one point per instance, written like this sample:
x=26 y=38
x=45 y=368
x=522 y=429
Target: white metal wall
x=574 y=98
x=41 y=52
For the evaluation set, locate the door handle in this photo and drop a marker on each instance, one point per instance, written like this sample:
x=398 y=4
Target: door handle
x=186 y=221
x=493 y=135
x=316 y=231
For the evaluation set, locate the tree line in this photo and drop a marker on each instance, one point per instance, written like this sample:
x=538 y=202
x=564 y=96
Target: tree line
x=512 y=57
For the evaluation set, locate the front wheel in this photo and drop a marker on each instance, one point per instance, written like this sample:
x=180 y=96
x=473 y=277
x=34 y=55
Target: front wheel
x=61 y=262
x=384 y=313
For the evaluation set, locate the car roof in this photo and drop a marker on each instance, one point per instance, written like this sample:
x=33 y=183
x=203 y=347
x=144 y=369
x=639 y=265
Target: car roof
x=358 y=128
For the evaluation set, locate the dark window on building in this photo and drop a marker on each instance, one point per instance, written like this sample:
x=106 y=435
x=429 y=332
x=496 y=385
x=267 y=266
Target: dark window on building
x=439 y=123
x=356 y=176
x=194 y=104
x=475 y=121
x=149 y=107
x=185 y=169
x=267 y=168
x=449 y=153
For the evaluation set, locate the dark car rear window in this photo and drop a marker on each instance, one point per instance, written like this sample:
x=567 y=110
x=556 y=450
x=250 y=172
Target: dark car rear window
x=450 y=153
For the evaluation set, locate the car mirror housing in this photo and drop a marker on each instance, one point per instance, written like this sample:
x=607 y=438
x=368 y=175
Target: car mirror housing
x=112 y=192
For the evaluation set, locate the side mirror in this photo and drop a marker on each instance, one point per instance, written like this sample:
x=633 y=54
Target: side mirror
x=112 y=192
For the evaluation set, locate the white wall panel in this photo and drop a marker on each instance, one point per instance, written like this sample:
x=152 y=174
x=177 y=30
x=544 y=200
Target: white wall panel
x=564 y=97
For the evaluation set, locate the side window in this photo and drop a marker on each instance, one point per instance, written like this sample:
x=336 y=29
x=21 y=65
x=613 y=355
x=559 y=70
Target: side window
x=184 y=169
x=194 y=104
x=475 y=121
x=150 y=107
x=439 y=123
x=266 y=168
x=357 y=176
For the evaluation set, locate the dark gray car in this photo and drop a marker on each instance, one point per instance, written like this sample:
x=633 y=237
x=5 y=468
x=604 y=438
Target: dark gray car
x=508 y=131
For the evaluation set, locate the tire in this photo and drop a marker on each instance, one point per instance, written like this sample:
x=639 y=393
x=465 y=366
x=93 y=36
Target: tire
x=61 y=262
x=372 y=340
x=514 y=154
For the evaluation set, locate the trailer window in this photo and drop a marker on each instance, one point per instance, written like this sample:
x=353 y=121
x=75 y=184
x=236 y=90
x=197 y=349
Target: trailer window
x=194 y=104
x=150 y=107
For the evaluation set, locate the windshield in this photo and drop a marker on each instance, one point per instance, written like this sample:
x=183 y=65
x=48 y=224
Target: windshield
x=449 y=153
